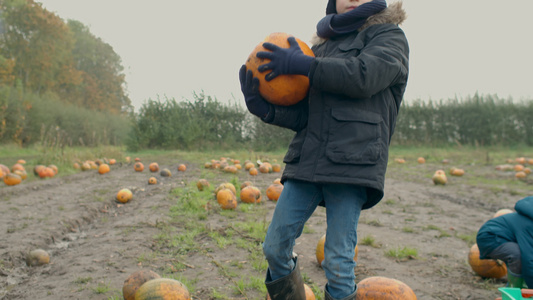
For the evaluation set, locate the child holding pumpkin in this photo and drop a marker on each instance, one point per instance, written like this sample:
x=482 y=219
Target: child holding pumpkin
x=509 y=238
x=338 y=156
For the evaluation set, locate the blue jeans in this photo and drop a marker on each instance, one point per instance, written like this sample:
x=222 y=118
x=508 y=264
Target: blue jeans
x=296 y=204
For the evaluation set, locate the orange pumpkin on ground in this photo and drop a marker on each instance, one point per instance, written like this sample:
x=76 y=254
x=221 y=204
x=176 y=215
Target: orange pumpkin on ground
x=17 y=166
x=103 y=168
x=85 y=166
x=248 y=166
x=165 y=173
x=309 y=295
x=518 y=167
x=245 y=184
x=182 y=168
x=486 y=268
x=124 y=195
x=250 y=194
x=274 y=191
x=12 y=179
x=76 y=166
x=163 y=288
x=153 y=167
x=276 y=168
x=134 y=282
x=37 y=257
x=520 y=175
x=112 y=161
x=46 y=172
x=54 y=168
x=152 y=180
x=137 y=159
x=37 y=169
x=502 y=212
x=320 y=250
x=421 y=160
x=457 y=172
x=5 y=170
x=284 y=89
x=265 y=168
x=22 y=173
x=21 y=161
x=202 y=184
x=383 y=288
x=439 y=178
x=138 y=166
x=253 y=171
x=226 y=199
x=226 y=185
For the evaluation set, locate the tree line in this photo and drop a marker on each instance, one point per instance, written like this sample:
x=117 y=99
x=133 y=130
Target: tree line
x=204 y=123
x=42 y=54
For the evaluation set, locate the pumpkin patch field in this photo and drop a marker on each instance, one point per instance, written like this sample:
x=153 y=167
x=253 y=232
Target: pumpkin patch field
x=83 y=234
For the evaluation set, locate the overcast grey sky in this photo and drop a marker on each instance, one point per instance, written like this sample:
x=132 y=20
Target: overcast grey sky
x=173 y=48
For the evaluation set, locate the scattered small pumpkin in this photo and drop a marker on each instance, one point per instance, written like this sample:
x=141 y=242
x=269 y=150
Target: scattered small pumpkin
x=274 y=191
x=245 y=184
x=202 y=184
x=153 y=167
x=162 y=288
x=37 y=257
x=439 y=178
x=124 y=195
x=12 y=179
x=103 y=168
x=486 y=268
x=165 y=173
x=226 y=199
x=138 y=166
x=250 y=194
x=253 y=171
x=152 y=180
x=135 y=281
x=182 y=167
x=383 y=288
x=226 y=185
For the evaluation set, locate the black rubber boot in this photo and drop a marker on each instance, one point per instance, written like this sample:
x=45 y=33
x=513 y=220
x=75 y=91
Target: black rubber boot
x=349 y=297
x=290 y=287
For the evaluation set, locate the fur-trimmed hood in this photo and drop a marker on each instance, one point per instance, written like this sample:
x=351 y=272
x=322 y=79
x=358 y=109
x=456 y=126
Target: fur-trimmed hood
x=393 y=14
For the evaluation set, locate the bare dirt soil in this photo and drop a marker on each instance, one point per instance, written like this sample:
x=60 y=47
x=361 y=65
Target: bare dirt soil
x=95 y=243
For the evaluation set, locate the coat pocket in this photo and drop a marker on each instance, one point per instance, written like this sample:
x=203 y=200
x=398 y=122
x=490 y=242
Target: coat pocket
x=355 y=137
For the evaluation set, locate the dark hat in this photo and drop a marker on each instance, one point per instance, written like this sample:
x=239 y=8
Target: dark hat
x=331 y=8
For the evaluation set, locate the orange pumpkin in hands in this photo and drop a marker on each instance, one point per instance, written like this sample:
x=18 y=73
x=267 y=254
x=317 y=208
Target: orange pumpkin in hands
x=284 y=89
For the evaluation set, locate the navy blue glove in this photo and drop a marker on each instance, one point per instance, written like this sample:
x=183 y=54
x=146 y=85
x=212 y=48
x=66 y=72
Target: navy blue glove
x=290 y=60
x=250 y=89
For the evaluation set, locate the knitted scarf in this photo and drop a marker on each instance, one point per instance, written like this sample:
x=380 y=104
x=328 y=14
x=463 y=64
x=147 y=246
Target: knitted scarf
x=336 y=24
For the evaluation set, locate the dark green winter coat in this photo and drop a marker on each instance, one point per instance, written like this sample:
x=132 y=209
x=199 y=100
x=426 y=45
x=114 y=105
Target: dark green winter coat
x=513 y=227
x=344 y=126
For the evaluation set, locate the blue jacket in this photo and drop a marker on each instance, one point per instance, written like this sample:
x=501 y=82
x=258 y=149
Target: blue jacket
x=513 y=227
